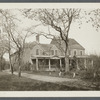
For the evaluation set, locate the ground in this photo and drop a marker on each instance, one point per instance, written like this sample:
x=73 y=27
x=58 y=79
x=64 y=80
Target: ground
x=10 y=82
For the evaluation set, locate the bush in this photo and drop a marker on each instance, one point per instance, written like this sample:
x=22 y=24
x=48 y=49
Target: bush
x=26 y=67
x=4 y=64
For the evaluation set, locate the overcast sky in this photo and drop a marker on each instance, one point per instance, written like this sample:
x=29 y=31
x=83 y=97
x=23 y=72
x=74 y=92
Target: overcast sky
x=87 y=36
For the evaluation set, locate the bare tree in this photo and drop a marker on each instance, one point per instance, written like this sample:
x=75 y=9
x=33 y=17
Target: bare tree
x=7 y=25
x=19 y=41
x=3 y=48
x=16 y=36
x=58 y=19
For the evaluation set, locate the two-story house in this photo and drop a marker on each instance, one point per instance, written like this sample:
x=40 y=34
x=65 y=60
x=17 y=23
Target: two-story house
x=50 y=57
x=42 y=56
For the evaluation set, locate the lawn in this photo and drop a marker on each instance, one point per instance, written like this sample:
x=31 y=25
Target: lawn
x=10 y=82
x=14 y=83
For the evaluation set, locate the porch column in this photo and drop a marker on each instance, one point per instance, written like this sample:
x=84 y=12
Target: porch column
x=49 y=65
x=77 y=64
x=85 y=63
x=92 y=63
x=60 y=63
x=37 y=64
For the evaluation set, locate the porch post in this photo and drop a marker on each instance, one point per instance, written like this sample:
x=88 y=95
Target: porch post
x=92 y=63
x=77 y=64
x=60 y=63
x=85 y=63
x=37 y=64
x=49 y=65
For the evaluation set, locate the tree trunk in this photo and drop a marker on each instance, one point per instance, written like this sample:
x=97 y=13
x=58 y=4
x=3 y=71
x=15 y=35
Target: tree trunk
x=19 y=63
x=19 y=71
x=66 y=62
x=11 y=67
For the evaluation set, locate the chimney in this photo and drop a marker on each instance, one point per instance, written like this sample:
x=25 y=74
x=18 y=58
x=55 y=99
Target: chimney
x=37 y=38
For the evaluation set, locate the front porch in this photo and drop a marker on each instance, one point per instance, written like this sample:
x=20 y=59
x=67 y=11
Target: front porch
x=47 y=63
x=55 y=63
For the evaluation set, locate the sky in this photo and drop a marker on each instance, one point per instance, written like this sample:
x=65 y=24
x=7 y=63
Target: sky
x=86 y=35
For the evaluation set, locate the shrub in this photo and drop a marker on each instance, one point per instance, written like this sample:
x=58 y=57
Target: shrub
x=26 y=67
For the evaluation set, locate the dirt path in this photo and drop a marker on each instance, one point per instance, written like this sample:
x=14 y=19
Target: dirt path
x=44 y=78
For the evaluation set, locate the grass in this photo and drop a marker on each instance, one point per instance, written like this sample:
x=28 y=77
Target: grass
x=10 y=82
x=14 y=83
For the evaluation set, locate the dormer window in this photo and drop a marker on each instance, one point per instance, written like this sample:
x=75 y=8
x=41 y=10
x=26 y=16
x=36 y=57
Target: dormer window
x=56 y=52
x=52 y=52
x=37 y=51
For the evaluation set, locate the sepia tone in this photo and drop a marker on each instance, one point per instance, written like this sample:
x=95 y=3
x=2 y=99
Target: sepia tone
x=62 y=64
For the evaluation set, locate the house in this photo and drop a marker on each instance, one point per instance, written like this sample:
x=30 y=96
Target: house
x=50 y=57
x=74 y=48
x=42 y=56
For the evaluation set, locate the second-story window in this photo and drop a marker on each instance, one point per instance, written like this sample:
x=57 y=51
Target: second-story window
x=81 y=53
x=52 y=52
x=37 y=51
x=56 y=52
x=75 y=52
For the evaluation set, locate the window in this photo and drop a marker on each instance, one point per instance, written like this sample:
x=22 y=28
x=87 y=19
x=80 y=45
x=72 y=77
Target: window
x=37 y=51
x=81 y=53
x=52 y=52
x=74 y=52
x=56 y=52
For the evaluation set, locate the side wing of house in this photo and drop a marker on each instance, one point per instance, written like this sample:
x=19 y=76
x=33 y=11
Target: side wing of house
x=74 y=48
x=26 y=55
x=77 y=50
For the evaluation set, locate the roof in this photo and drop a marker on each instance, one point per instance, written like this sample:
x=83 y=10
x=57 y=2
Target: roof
x=46 y=47
x=30 y=44
x=73 y=44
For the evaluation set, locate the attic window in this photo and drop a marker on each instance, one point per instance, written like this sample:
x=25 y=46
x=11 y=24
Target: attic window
x=37 y=51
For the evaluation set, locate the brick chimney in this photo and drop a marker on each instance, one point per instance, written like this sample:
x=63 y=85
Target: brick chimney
x=37 y=38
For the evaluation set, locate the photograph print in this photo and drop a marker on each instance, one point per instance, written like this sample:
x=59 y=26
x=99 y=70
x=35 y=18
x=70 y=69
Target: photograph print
x=49 y=49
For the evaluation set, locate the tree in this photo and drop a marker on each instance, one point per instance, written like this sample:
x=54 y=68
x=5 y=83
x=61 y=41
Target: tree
x=16 y=36
x=7 y=24
x=19 y=40
x=58 y=19
x=3 y=49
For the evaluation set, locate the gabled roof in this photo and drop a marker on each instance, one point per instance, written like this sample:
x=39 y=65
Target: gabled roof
x=46 y=47
x=73 y=44
x=31 y=44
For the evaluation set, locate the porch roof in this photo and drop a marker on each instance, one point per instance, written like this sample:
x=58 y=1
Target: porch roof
x=83 y=56
x=46 y=57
